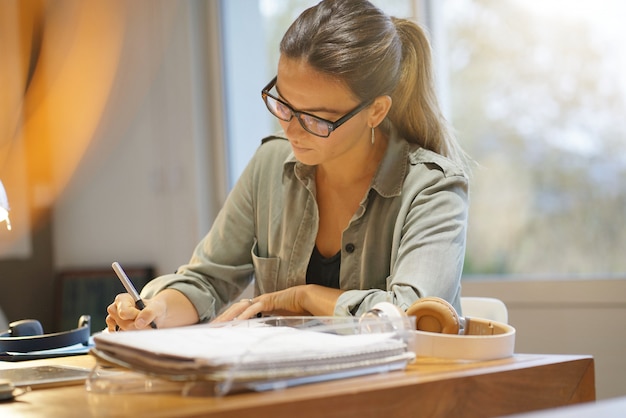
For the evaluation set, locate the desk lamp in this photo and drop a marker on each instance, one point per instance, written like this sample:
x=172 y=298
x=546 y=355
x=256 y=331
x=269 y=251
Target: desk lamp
x=4 y=206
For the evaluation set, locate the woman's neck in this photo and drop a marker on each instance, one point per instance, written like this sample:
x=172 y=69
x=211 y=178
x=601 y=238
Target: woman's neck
x=357 y=167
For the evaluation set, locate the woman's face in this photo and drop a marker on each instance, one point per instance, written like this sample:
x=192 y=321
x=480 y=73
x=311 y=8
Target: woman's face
x=307 y=90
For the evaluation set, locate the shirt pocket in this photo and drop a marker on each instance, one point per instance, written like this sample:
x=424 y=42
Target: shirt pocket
x=266 y=271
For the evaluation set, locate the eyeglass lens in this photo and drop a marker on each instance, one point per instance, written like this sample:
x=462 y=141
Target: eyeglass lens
x=312 y=124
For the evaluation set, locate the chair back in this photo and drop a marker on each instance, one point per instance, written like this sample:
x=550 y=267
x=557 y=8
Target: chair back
x=484 y=307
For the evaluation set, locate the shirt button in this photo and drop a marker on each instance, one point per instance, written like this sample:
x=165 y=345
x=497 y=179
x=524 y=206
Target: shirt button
x=350 y=247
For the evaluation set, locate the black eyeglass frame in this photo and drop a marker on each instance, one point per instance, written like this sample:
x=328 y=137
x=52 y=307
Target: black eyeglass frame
x=331 y=125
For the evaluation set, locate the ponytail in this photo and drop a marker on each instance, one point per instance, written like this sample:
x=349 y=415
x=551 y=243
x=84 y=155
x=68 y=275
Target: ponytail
x=415 y=111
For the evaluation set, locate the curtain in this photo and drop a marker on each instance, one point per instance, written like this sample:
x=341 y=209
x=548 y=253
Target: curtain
x=62 y=62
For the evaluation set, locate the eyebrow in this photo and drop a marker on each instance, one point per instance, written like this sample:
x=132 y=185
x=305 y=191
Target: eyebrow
x=312 y=110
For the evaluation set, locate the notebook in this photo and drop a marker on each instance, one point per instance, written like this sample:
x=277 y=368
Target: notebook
x=257 y=354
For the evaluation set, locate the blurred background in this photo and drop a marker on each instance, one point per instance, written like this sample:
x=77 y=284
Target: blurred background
x=123 y=125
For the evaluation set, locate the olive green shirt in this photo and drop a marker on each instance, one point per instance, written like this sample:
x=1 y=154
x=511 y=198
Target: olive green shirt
x=405 y=241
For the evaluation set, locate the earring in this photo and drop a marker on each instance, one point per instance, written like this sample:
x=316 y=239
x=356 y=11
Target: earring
x=373 y=137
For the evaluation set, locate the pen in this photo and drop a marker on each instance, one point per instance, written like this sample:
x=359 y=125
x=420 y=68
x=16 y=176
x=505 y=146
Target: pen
x=128 y=285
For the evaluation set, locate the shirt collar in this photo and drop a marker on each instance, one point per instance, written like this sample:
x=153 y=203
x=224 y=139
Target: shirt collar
x=392 y=170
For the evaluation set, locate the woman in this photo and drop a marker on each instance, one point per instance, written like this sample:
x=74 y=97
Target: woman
x=361 y=199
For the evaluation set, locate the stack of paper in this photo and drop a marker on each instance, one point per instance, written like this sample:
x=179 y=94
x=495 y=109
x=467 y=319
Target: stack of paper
x=255 y=354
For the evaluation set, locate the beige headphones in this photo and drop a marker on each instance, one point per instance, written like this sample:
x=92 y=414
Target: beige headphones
x=441 y=332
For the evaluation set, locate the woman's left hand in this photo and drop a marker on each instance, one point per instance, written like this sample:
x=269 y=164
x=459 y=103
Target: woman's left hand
x=283 y=302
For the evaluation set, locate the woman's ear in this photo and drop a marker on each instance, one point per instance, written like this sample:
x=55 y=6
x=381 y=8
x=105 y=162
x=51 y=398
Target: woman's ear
x=378 y=110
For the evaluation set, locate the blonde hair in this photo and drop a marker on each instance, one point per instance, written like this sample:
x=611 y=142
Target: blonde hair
x=374 y=55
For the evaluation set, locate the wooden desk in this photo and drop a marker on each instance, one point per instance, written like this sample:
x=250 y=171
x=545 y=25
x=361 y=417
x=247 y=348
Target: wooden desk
x=429 y=387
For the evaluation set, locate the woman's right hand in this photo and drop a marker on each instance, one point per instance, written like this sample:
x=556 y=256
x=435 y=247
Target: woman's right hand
x=168 y=308
x=124 y=315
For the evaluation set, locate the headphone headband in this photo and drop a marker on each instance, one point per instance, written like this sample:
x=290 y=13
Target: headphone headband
x=484 y=340
x=28 y=343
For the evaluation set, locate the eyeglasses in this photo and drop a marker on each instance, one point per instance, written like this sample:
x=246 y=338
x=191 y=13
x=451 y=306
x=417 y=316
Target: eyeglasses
x=311 y=123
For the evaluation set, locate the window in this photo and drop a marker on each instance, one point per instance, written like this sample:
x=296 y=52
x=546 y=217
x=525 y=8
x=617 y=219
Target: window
x=537 y=93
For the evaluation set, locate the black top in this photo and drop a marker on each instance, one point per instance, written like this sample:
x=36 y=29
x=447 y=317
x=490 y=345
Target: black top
x=324 y=271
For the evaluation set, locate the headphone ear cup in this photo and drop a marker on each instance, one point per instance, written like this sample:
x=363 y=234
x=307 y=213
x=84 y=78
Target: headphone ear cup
x=25 y=328
x=434 y=314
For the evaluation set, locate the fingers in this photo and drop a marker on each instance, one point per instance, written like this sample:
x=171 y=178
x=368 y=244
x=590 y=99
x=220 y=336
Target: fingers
x=282 y=302
x=111 y=323
x=144 y=318
x=244 y=309
x=121 y=312
x=124 y=315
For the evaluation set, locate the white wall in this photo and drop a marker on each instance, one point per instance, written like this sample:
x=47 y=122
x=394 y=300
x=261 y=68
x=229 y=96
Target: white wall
x=140 y=194
x=568 y=317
